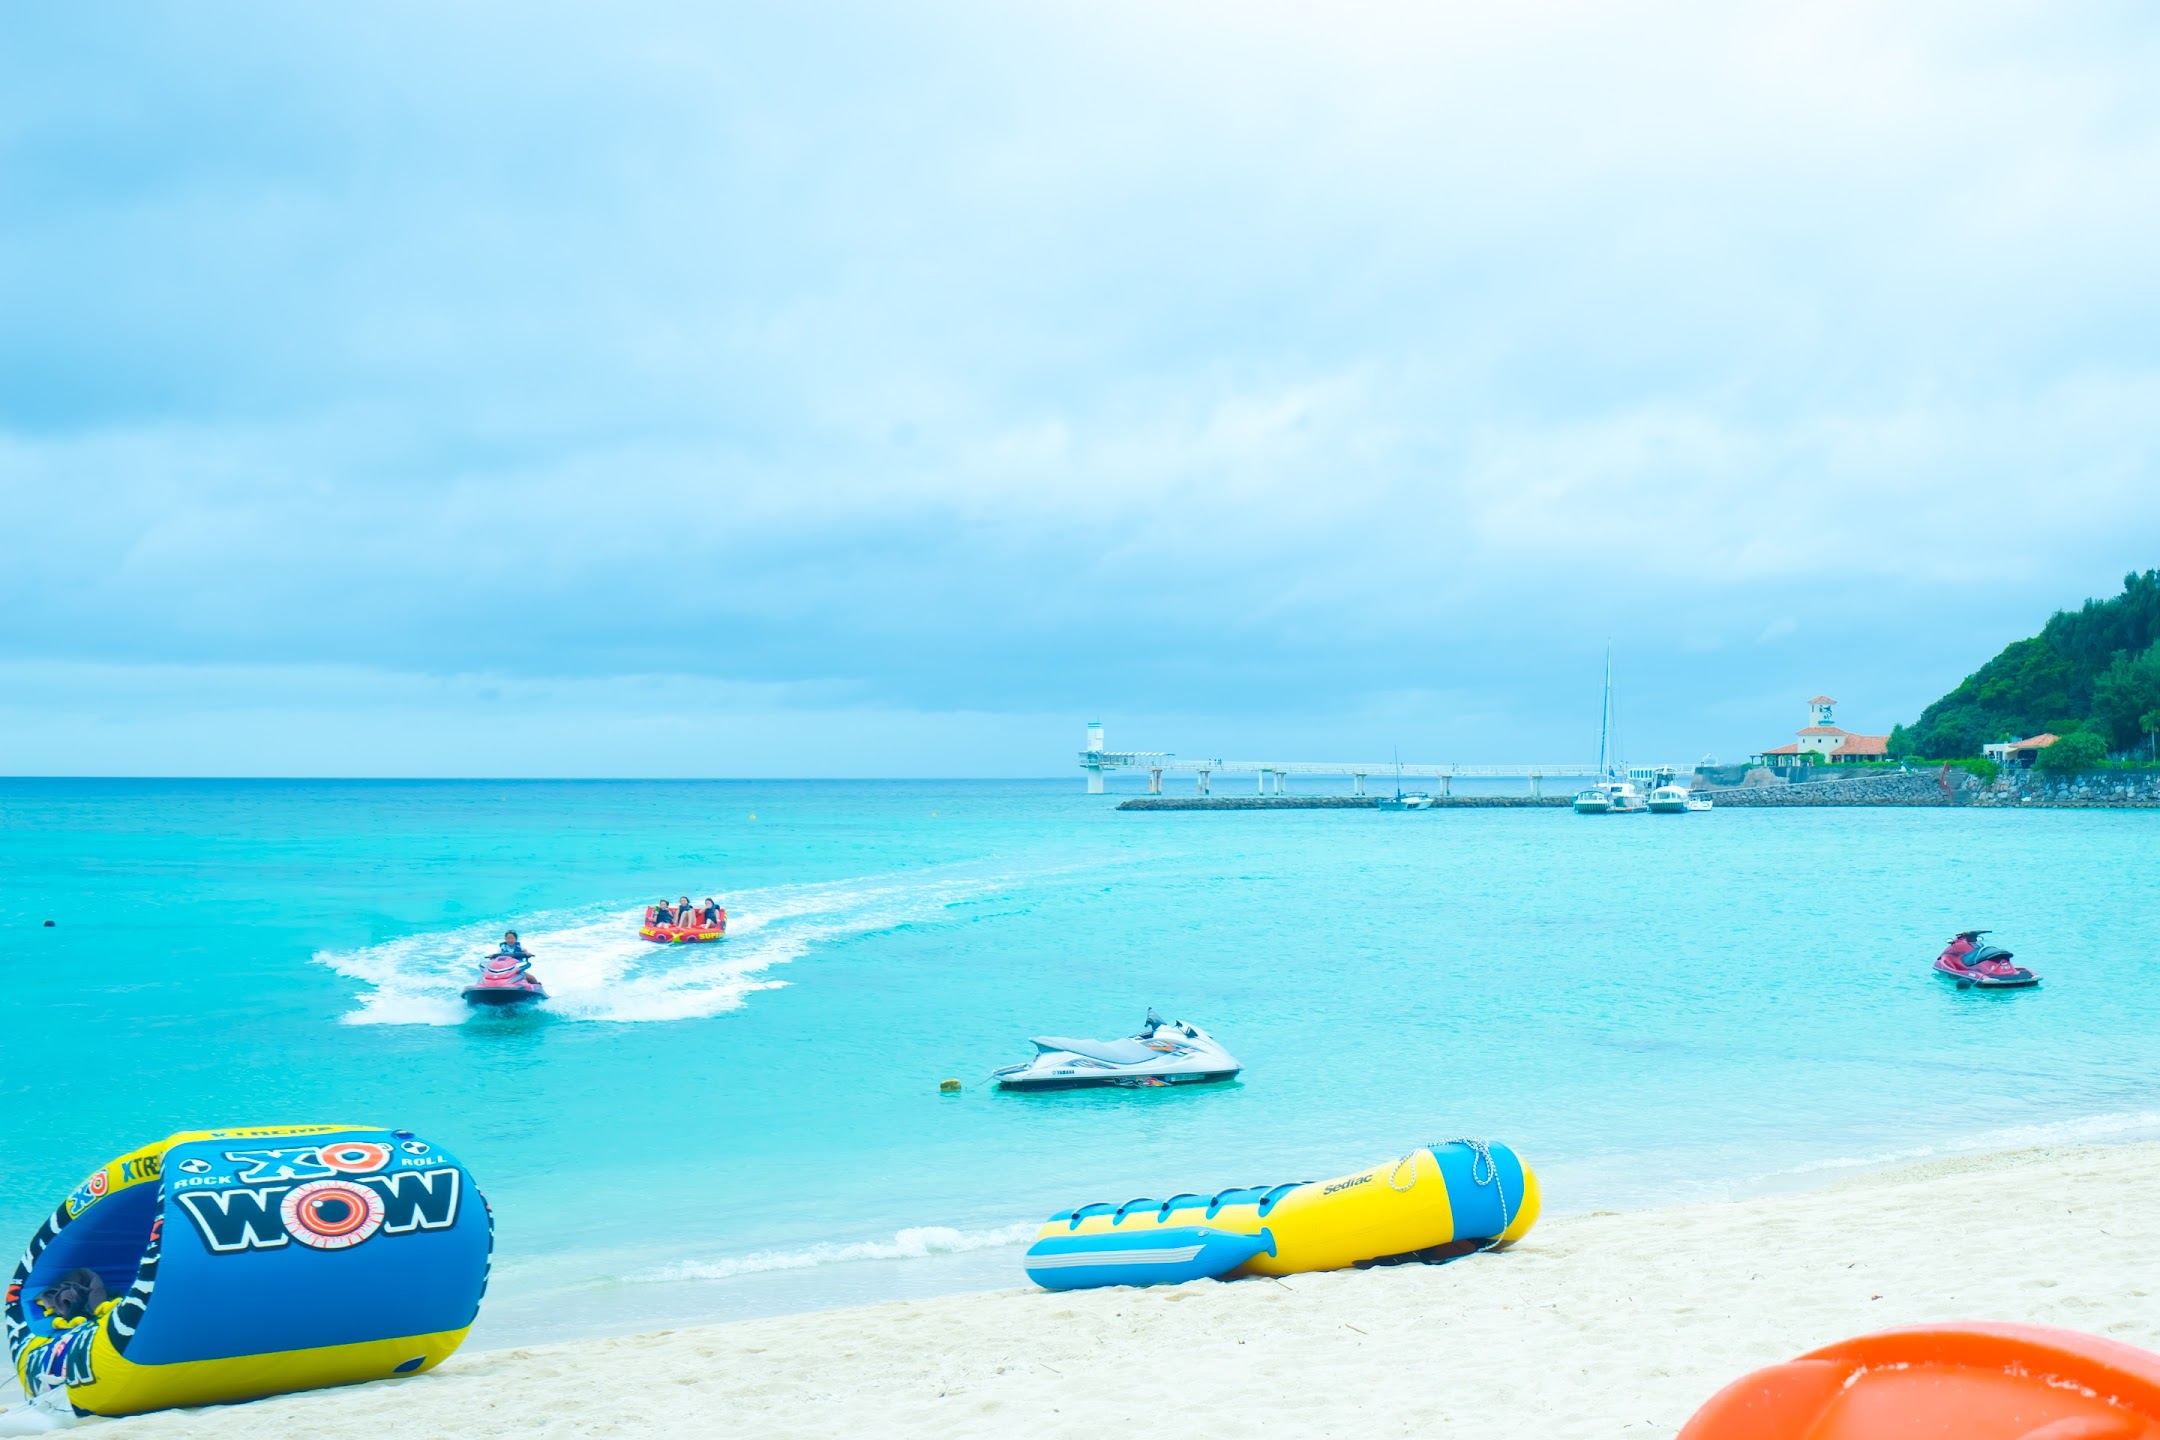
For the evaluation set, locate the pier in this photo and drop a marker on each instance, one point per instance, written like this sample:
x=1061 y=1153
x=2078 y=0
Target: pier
x=1273 y=777
x=1336 y=802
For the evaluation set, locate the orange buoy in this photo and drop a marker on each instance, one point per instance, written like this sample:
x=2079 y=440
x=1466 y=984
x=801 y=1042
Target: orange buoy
x=1965 y=1381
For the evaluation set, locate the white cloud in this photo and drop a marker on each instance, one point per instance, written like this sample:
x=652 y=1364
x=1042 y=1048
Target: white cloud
x=998 y=359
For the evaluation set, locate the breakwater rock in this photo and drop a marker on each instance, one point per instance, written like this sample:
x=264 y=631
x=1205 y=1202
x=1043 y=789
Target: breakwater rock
x=1335 y=802
x=2094 y=790
x=1909 y=787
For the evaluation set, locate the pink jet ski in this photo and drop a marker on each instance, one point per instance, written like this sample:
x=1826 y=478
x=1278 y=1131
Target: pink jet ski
x=505 y=981
x=1975 y=964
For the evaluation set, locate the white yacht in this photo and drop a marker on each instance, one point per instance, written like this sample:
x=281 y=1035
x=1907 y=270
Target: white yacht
x=1611 y=797
x=1669 y=799
x=1700 y=802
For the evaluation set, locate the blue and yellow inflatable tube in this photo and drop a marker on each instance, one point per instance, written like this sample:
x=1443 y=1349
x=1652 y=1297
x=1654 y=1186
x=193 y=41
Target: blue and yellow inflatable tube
x=240 y=1263
x=1460 y=1195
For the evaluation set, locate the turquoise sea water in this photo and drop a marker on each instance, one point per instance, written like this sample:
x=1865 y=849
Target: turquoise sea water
x=1651 y=1009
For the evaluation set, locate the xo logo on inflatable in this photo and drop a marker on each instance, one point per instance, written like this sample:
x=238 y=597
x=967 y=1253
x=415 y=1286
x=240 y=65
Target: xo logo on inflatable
x=332 y=1214
x=354 y=1157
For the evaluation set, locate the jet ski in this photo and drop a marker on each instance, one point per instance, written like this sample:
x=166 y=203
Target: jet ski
x=1975 y=964
x=1165 y=1052
x=504 y=983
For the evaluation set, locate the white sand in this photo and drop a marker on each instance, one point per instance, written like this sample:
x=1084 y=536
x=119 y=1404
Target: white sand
x=1601 y=1325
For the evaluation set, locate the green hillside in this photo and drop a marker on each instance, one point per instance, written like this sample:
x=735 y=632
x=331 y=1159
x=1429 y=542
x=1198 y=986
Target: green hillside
x=2094 y=669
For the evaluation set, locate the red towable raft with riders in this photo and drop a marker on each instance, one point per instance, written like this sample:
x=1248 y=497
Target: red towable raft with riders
x=683 y=923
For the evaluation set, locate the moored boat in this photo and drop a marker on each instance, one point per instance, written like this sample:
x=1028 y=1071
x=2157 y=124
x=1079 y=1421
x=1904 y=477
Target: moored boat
x=1611 y=797
x=1669 y=800
x=1165 y=1052
x=1615 y=794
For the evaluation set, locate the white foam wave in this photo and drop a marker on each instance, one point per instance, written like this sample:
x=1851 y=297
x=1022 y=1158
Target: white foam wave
x=596 y=968
x=917 y=1243
x=2085 y=1130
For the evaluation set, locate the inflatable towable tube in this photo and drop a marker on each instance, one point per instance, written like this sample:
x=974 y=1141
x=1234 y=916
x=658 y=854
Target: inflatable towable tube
x=681 y=934
x=243 y=1263
x=1976 y=1381
x=1466 y=1194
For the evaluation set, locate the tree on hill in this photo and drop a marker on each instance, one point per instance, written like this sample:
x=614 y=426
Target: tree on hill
x=2079 y=750
x=2052 y=681
x=2126 y=697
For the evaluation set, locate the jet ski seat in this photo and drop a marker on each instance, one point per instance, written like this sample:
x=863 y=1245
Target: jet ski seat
x=1110 y=1052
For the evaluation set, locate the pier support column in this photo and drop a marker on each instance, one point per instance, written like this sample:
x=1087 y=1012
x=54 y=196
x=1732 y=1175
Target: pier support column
x=1200 y=779
x=1154 y=782
x=1447 y=783
x=1094 y=774
x=1357 y=782
x=1537 y=787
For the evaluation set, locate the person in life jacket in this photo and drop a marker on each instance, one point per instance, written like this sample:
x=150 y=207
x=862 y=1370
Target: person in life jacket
x=515 y=949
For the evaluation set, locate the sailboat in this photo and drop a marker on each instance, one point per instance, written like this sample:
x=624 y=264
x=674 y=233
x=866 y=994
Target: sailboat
x=1615 y=794
x=1400 y=801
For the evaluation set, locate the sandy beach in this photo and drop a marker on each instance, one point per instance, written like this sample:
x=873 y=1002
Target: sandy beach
x=1599 y=1325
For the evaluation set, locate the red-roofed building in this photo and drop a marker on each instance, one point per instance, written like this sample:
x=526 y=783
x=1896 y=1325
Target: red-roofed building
x=1822 y=743
x=2021 y=752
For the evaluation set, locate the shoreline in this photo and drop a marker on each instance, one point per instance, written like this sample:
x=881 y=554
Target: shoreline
x=1601 y=1324
x=1917 y=790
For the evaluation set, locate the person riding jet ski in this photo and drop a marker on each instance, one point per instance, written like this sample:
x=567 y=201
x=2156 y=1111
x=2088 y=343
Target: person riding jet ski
x=1165 y=1052
x=506 y=978
x=1974 y=963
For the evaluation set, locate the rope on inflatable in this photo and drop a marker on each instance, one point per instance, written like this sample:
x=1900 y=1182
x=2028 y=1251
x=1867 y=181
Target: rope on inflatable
x=1484 y=1170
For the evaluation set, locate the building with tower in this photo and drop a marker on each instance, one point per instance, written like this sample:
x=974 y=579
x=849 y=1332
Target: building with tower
x=1822 y=742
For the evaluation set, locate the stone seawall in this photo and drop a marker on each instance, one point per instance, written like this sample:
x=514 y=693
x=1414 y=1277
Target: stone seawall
x=2099 y=789
x=1335 y=802
x=1902 y=788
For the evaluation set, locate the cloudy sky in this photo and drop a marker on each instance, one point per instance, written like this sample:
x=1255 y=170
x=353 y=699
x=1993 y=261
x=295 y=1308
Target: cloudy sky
x=858 y=389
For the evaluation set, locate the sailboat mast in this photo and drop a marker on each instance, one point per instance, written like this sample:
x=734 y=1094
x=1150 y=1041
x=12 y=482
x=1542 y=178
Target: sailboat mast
x=1604 y=723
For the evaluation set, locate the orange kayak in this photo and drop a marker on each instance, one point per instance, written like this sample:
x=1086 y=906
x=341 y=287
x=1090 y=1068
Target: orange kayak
x=681 y=934
x=1946 y=1382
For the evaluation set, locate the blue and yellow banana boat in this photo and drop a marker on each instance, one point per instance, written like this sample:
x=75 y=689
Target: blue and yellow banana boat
x=1454 y=1197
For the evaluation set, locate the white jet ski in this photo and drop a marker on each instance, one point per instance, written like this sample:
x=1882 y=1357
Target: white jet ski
x=1165 y=1052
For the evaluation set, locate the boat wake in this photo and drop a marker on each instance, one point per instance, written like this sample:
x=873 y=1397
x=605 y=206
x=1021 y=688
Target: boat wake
x=596 y=968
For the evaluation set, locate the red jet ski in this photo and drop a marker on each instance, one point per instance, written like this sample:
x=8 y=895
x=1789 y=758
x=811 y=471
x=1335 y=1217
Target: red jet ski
x=504 y=982
x=1975 y=964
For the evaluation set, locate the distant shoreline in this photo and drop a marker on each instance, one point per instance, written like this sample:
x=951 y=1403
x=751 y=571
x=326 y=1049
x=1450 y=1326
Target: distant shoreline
x=1907 y=789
